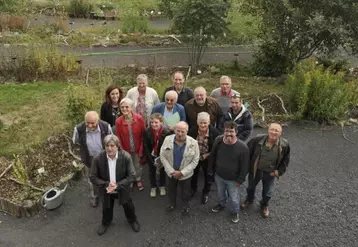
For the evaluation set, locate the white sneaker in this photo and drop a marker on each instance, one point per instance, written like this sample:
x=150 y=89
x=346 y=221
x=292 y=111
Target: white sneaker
x=162 y=191
x=153 y=192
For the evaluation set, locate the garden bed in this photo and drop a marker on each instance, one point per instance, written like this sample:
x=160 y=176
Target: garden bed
x=50 y=165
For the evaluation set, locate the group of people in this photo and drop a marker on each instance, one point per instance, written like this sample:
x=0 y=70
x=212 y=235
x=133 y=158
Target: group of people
x=176 y=138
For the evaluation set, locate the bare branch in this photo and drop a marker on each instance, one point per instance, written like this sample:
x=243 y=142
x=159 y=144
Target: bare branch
x=344 y=134
x=27 y=184
x=6 y=170
x=261 y=107
x=282 y=104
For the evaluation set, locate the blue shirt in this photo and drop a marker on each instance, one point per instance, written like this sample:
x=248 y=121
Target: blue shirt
x=178 y=155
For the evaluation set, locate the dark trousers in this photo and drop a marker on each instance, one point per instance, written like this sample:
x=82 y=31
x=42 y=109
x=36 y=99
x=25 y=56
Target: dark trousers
x=153 y=176
x=194 y=180
x=268 y=183
x=107 y=212
x=185 y=191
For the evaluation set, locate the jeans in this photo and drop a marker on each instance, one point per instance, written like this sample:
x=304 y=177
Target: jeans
x=194 y=180
x=93 y=188
x=185 y=191
x=232 y=190
x=268 y=185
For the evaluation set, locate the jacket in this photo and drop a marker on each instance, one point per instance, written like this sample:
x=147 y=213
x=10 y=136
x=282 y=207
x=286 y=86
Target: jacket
x=81 y=129
x=125 y=175
x=213 y=133
x=244 y=121
x=255 y=145
x=138 y=128
x=149 y=143
x=184 y=96
x=160 y=108
x=211 y=106
x=151 y=99
x=107 y=115
x=190 y=157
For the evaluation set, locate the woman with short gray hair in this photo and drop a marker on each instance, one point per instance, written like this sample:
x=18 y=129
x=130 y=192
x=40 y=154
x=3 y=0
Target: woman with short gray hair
x=205 y=135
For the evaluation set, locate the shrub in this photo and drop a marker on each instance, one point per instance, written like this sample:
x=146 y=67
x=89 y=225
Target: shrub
x=318 y=94
x=80 y=8
x=40 y=64
x=133 y=22
x=10 y=22
x=81 y=99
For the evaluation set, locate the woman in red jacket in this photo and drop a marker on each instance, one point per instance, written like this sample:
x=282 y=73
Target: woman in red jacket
x=130 y=128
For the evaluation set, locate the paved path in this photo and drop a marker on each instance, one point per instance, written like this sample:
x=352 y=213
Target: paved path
x=315 y=204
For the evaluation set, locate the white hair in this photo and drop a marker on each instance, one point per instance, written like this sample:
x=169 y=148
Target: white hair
x=172 y=92
x=142 y=77
x=203 y=116
x=91 y=113
x=225 y=78
x=127 y=101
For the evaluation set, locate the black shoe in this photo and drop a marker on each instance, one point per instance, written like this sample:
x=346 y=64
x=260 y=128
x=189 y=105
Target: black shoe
x=217 y=208
x=170 y=208
x=94 y=202
x=135 y=226
x=235 y=217
x=101 y=229
x=185 y=212
x=204 y=198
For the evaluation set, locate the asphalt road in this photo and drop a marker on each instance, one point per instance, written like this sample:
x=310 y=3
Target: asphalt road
x=315 y=204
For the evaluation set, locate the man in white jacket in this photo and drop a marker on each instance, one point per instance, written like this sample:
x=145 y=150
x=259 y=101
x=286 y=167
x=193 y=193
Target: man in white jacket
x=179 y=155
x=144 y=97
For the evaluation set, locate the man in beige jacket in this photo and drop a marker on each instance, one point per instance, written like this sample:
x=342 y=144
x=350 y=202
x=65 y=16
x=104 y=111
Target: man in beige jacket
x=179 y=155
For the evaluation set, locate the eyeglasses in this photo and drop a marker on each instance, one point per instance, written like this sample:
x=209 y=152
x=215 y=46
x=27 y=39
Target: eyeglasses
x=169 y=100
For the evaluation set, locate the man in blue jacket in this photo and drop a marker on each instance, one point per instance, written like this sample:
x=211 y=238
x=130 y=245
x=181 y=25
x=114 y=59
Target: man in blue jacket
x=172 y=112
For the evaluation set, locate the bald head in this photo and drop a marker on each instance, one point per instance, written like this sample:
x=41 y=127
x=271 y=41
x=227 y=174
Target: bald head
x=274 y=132
x=181 y=130
x=91 y=119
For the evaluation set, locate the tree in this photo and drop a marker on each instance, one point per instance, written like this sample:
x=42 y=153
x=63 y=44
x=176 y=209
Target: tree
x=292 y=30
x=200 y=22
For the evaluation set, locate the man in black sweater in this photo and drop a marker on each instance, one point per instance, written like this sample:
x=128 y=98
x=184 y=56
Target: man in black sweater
x=229 y=161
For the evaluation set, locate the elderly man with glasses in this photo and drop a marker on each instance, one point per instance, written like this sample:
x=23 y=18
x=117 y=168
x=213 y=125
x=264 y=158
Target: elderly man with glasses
x=172 y=112
x=224 y=93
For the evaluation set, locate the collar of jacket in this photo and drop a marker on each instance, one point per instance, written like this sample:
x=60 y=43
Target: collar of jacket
x=243 y=110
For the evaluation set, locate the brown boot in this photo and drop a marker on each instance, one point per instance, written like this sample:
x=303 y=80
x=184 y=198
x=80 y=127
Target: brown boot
x=245 y=204
x=265 y=212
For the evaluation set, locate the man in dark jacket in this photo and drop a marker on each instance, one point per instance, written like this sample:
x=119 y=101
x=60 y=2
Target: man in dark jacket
x=112 y=172
x=202 y=103
x=205 y=136
x=269 y=158
x=89 y=136
x=241 y=116
x=184 y=93
x=229 y=161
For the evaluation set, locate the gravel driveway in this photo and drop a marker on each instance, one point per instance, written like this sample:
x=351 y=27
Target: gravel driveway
x=315 y=204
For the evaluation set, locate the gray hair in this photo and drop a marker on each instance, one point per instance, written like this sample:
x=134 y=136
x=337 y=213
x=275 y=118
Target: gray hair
x=142 y=77
x=199 y=89
x=171 y=92
x=225 y=78
x=182 y=124
x=111 y=138
x=91 y=113
x=127 y=101
x=203 y=116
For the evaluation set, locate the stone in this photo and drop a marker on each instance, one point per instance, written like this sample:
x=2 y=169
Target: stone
x=353 y=121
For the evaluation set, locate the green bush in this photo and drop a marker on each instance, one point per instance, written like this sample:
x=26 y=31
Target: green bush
x=80 y=8
x=40 y=64
x=132 y=22
x=318 y=94
x=81 y=99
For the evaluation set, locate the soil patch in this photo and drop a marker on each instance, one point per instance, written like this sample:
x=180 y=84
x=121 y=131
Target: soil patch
x=45 y=166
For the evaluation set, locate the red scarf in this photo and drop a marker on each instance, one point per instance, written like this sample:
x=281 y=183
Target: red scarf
x=156 y=140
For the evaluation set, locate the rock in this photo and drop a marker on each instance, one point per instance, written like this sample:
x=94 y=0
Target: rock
x=213 y=69
x=143 y=69
x=132 y=66
x=353 y=121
